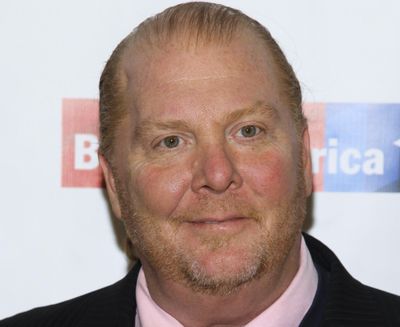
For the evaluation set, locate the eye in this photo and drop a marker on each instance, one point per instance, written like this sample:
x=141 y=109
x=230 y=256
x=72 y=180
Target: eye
x=170 y=141
x=249 y=131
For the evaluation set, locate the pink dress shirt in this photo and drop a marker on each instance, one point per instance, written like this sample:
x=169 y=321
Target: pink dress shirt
x=287 y=311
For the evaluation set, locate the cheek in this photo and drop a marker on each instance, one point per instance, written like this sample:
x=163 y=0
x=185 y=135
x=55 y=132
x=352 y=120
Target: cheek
x=158 y=189
x=271 y=175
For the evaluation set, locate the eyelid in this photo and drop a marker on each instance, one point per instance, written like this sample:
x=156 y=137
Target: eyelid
x=157 y=142
x=236 y=129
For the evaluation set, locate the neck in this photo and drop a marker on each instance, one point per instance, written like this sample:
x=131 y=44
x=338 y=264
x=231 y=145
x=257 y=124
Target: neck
x=197 y=309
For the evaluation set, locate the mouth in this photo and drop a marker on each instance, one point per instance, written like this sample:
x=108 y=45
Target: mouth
x=217 y=220
x=225 y=224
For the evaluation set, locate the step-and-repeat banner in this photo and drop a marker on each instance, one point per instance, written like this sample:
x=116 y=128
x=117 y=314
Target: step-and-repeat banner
x=355 y=147
x=57 y=236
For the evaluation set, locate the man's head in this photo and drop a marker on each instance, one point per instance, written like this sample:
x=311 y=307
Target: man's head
x=189 y=25
x=206 y=153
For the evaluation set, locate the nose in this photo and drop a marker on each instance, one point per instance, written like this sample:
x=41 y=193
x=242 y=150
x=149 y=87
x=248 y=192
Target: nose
x=214 y=171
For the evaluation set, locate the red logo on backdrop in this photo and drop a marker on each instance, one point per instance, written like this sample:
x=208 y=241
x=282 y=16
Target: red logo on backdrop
x=80 y=125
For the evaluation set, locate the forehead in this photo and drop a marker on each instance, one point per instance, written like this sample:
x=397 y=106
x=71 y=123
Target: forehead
x=163 y=80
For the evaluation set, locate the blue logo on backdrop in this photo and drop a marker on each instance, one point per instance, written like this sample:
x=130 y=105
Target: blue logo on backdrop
x=363 y=148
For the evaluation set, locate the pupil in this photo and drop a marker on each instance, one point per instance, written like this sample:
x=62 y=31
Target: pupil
x=248 y=131
x=172 y=141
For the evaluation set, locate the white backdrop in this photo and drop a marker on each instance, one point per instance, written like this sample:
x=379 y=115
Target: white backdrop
x=57 y=243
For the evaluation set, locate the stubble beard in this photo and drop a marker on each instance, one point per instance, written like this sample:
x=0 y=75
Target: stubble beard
x=266 y=255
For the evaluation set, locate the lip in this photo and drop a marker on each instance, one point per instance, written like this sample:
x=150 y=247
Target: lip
x=230 y=224
x=214 y=220
x=218 y=219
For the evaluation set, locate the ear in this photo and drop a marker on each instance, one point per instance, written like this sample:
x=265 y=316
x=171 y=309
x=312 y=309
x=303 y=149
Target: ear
x=307 y=164
x=110 y=185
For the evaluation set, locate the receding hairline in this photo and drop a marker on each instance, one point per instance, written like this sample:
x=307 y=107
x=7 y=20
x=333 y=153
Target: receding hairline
x=187 y=26
x=145 y=53
x=148 y=51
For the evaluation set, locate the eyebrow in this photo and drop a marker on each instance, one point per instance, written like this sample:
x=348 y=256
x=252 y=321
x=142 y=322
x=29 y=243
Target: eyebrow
x=147 y=126
x=259 y=108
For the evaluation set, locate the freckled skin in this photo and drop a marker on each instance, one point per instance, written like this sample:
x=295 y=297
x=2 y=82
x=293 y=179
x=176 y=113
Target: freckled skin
x=214 y=172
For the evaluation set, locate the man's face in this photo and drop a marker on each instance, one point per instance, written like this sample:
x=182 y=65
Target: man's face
x=209 y=166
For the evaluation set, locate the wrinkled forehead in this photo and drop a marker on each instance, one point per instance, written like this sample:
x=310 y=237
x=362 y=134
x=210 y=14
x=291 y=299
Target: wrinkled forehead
x=147 y=66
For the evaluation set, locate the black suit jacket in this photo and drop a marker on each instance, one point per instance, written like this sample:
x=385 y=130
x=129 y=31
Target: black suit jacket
x=340 y=301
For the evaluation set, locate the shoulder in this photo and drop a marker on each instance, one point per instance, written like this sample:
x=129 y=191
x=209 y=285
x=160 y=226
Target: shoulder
x=68 y=313
x=387 y=302
x=104 y=307
x=348 y=301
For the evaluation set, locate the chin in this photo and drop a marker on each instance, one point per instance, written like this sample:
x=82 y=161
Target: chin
x=222 y=271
